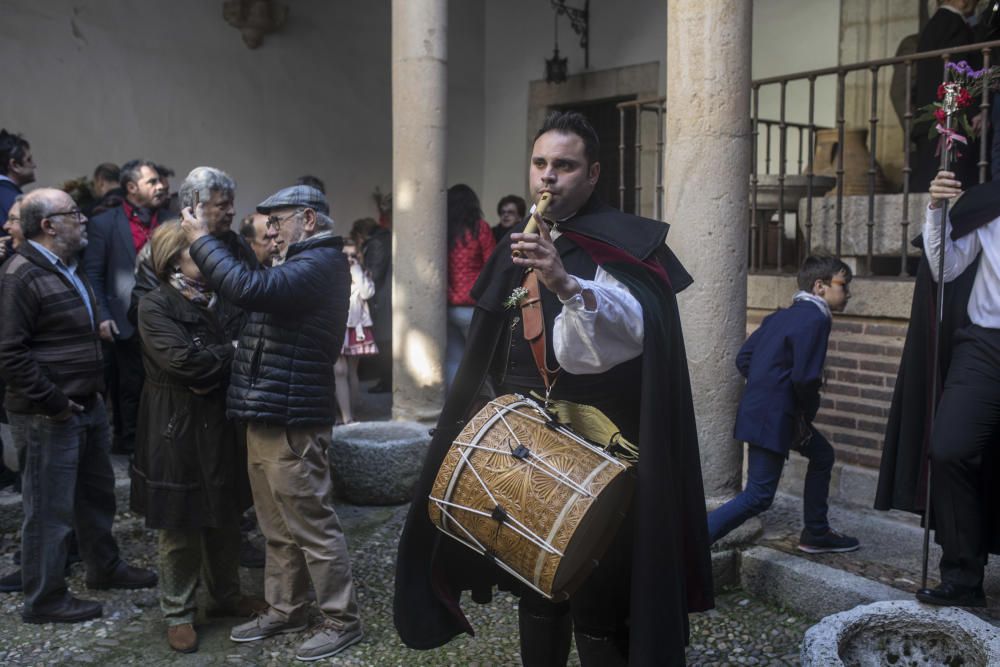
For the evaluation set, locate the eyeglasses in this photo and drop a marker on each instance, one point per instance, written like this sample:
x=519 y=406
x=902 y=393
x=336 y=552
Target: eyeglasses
x=75 y=212
x=274 y=222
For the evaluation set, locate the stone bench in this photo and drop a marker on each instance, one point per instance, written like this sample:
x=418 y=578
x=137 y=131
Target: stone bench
x=377 y=463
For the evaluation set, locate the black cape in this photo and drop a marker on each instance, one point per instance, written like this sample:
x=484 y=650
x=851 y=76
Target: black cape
x=671 y=563
x=902 y=481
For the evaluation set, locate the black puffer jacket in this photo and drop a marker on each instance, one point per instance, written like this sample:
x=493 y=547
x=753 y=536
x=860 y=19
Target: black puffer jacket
x=283 y=369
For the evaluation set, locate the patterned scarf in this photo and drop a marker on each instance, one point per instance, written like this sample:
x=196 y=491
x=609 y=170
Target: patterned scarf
x=194 y=291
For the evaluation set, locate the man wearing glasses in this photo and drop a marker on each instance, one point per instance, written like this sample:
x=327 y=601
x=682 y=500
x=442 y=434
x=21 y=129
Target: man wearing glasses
x=50 y=358
x=282 y=387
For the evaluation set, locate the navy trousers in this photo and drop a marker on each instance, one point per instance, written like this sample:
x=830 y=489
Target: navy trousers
x=763 y=473
x=68 y=483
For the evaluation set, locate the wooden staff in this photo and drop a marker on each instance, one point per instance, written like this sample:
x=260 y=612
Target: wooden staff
x=950 y=106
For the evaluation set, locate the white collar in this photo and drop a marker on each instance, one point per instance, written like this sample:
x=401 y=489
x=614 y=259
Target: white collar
x=953 y=10
x=819 y=302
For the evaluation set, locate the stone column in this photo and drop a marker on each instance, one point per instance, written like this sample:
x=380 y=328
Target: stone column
x=420 y=269
x=707 y=167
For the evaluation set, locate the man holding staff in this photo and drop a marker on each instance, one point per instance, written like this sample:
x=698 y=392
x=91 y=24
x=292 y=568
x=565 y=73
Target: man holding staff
x=607 y=285
x=968 y=412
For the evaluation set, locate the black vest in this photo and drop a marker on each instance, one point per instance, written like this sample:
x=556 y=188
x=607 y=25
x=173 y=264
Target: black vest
x=615 y=392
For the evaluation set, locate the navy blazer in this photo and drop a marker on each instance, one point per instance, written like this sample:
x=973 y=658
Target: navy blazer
x=109 y=262
x=783 y=364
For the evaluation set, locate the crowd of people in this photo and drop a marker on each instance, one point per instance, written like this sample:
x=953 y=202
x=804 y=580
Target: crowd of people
x=134 y=333
x=236 y=352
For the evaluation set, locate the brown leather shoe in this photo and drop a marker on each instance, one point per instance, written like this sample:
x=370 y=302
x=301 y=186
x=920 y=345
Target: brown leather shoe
x=245 y=607
x=182 y=638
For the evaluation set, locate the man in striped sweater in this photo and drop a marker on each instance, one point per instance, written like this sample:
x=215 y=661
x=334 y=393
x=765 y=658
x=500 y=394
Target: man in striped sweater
x=50 y=358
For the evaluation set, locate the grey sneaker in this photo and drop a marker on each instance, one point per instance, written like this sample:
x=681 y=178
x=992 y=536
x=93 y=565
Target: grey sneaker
x=328 y=641
x=263 y=626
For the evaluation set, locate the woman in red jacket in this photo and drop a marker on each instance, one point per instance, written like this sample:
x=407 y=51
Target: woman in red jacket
x=470 y=242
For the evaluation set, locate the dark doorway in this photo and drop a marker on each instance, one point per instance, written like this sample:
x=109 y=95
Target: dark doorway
x=604 y=116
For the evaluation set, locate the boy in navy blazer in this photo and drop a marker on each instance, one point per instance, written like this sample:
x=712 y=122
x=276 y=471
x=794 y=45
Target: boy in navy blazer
x=783 y=364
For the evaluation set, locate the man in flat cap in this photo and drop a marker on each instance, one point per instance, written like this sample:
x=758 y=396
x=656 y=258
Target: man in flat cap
x=282 y=388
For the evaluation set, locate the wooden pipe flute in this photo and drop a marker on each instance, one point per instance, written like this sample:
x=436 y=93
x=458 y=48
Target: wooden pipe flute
x=537 y=211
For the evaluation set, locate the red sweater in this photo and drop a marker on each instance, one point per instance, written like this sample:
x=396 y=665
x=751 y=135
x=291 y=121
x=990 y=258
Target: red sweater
x=465 y=261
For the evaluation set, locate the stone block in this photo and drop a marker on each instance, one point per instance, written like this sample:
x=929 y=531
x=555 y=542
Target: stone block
x=725 y=569
x=377 y=463
x=857 y=485
x=870 y=298
x=887 y=231
x=807 y=586
x=901 y=633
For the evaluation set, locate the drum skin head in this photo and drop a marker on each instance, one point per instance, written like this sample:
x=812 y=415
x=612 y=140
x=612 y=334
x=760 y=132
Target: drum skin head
x=593 y=535
x=544 y=517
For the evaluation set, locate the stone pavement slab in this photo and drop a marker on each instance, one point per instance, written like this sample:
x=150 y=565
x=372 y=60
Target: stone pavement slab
x=890 y=556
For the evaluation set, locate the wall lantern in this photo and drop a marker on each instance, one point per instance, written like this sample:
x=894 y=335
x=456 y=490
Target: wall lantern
x=579 y=19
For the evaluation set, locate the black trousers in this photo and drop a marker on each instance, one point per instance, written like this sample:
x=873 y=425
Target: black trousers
x=965 y=432
x=130 y=376
x=598 y=613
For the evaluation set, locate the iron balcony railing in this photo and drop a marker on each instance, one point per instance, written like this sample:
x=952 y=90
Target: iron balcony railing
x=763 y=256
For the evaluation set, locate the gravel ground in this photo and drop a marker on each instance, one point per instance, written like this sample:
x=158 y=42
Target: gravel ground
x=741 y=631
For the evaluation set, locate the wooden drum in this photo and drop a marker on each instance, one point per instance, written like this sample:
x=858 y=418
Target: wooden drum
x=538 y=498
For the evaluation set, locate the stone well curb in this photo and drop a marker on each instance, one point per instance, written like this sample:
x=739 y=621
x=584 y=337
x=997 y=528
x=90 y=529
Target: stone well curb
x=908 y=631
x=377 y=463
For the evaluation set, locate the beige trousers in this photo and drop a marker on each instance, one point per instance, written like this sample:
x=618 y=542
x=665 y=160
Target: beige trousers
x=292 y=494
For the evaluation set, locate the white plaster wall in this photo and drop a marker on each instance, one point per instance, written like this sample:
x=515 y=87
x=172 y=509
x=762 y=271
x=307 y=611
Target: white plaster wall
x=89 y=81
x=466 y=95
x=519 y=39
x=792 y=36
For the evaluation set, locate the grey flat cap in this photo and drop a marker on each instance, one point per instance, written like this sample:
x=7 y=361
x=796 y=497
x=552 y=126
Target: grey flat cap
x=296 y=196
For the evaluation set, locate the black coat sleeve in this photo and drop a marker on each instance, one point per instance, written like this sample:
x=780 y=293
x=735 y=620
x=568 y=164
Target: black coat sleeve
x=145 y=282
x=170 y=346
x=377 y=257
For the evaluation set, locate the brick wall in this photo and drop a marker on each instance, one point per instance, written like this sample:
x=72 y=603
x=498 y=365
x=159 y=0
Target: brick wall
x=861 y=366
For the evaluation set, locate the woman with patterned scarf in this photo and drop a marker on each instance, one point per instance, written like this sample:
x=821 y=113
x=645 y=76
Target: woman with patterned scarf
x=184 y=474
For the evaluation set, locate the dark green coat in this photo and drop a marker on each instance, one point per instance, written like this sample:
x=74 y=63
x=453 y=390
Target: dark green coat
x=188 y=471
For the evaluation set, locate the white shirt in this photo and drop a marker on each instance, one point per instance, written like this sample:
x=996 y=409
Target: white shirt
x=362 y=289
x=594 y=341
x=984 y=302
